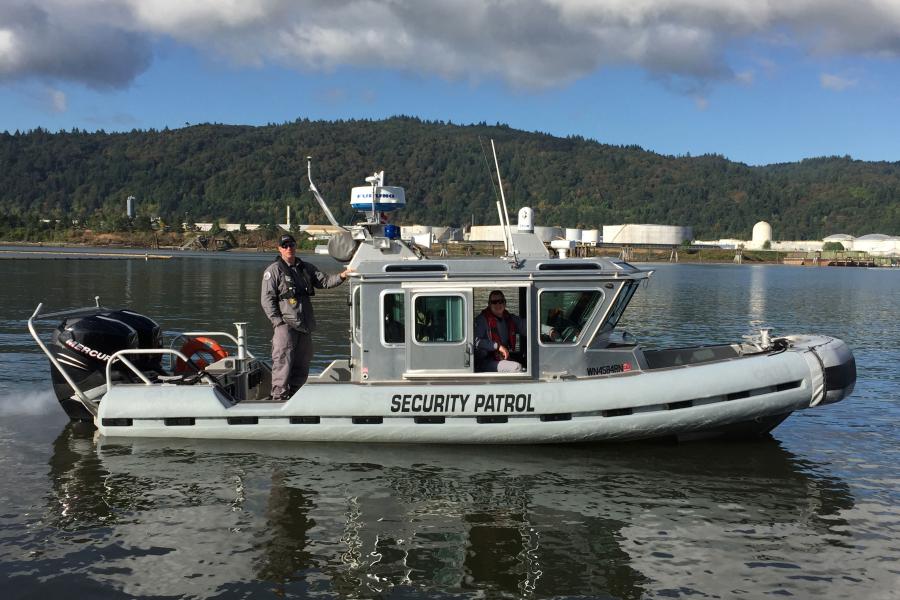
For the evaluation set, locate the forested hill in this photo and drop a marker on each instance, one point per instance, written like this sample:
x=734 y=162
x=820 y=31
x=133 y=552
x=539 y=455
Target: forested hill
x=248 y=174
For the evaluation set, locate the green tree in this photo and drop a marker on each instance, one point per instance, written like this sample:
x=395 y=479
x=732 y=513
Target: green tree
x=209 y=170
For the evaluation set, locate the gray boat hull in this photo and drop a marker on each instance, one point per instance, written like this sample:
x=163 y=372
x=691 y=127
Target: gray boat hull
x=748 y=395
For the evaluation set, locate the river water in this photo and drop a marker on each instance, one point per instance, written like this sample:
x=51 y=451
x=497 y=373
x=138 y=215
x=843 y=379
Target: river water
x=812 y=512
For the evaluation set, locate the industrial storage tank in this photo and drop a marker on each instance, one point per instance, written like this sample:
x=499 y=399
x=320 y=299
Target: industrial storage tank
x=762 y=233
x=548 y=234
x=486 y=233
x=494 y=233
x=839 y=237
x=408 y=231
x=668 y=235
x=573 y=234
x=590 y=237
x=446 y=234
x=877 y=244
x=843 y=239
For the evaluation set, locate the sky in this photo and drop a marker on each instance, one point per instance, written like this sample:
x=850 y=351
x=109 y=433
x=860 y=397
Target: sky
x=758 y=81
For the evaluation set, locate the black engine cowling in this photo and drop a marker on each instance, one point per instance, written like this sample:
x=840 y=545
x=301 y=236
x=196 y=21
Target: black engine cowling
x=83 y=346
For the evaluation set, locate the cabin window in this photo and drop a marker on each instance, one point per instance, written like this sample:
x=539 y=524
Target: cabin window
x=392 y=315
x=357 y=314
x=440 y=319
x=564 y=314
x=622 y=301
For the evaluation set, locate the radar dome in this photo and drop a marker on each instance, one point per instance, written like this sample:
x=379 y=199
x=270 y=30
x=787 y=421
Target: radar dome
x=762 y=233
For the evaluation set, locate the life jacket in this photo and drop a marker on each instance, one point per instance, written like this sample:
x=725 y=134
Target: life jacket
x=495 y=333
x=303 y=287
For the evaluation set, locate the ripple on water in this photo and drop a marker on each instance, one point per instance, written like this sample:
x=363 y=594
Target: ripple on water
x=811 y=514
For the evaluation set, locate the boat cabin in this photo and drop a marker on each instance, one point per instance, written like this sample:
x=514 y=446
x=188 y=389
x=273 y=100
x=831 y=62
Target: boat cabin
x=415 y=319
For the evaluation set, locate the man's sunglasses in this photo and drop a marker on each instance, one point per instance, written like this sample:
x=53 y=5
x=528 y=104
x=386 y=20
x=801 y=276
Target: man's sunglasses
x=498 y=301
x=289 y=245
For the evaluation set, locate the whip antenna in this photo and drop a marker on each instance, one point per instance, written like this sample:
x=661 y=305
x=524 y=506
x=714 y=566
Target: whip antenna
x=312 y=188
x=504 y=215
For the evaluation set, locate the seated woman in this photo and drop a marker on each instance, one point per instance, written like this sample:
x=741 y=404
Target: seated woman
x=495 y=337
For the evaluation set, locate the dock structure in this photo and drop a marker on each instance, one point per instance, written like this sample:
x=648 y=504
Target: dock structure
x=852 y=262
x=88 y=254
x=207 y=242
x=841 y=259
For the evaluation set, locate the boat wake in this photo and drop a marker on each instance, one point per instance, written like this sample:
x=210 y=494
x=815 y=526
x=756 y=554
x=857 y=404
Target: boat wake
x=27 y=402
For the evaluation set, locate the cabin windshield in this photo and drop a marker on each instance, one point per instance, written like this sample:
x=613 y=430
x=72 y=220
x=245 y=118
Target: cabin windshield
x=618 y=309
x=564 y=314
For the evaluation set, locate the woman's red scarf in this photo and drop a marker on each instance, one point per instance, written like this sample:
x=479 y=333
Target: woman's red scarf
x=495 y=333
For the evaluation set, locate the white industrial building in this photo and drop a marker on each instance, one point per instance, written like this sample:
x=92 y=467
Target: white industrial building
x=669 y=235
x=794 y=246
x=761 y=238
x=875 y=244
x=437 y=234
x=226 y=226
x=408 y=231
x=494 y=233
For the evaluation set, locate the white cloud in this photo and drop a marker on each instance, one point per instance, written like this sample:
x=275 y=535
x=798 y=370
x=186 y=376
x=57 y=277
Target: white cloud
x=58 y=101
x=7 y=51
x=836 y=82
x=61 y=43
x=526 y=43
x=745 y=77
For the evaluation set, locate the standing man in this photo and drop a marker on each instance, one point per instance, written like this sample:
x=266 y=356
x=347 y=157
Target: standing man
x=287 y=286
x=495 y=337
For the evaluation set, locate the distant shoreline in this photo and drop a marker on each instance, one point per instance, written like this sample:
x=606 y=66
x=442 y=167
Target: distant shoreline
x=83 y=251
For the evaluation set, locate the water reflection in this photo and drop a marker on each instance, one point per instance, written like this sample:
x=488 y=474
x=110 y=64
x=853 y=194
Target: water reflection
x=367 y=520
x=756 y=299
x=205 y=519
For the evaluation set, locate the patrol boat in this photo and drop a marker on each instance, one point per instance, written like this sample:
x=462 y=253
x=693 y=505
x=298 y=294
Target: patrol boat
x=410 y=376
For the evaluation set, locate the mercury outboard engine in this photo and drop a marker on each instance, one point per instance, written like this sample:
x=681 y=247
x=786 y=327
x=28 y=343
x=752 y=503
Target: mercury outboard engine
x=83 y=346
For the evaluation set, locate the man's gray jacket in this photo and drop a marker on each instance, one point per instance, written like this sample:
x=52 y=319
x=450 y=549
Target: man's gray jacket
x=286 y=301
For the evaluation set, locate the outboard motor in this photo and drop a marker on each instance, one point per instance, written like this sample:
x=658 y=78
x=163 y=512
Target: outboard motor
x=149 y=336
x=83 y=346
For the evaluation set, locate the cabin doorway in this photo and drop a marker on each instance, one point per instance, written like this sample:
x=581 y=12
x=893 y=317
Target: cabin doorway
x=439 y=326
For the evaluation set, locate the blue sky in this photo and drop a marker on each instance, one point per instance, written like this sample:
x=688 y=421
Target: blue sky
x=756 y=83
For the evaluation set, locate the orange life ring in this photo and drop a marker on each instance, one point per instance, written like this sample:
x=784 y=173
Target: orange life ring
x=201 y=352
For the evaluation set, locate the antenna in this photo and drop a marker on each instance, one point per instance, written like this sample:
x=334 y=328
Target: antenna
x=312 y=188
x=504 y=214
x=377 y=180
